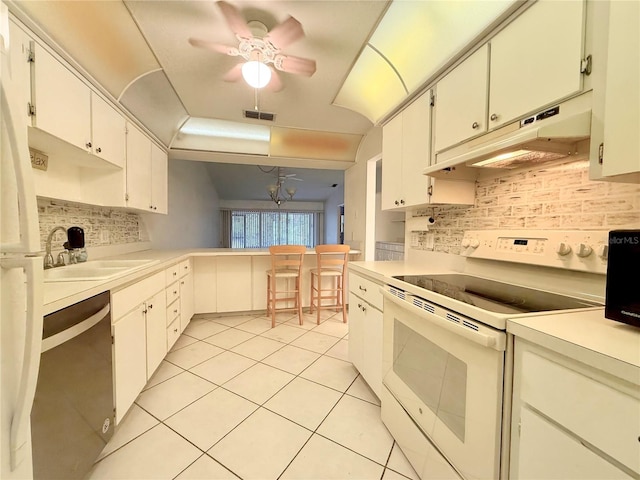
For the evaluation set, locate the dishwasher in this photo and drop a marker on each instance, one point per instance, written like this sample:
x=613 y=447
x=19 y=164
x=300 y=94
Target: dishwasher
x=73 y=411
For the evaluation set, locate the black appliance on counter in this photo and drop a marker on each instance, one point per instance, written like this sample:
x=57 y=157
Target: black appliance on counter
x=623 y=267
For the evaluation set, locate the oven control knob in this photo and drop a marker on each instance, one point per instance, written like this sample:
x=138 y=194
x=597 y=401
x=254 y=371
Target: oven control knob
x=474 y=243
x=583 y=250
x=603 y=251
x=465 y=242
x=563 y=249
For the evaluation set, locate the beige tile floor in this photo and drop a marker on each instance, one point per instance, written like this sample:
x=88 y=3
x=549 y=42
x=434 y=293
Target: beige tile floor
x=237 y=399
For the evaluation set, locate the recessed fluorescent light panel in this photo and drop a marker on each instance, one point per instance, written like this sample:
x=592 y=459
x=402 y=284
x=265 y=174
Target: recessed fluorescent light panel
x=223 y=136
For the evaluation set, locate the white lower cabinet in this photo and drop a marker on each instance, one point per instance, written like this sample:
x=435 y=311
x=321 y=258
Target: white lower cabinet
x=233 y=279
x=365 y=330
x=187 y=304
x=139 y=337
x=129 y=359
x=571 y=421
x=156 y=323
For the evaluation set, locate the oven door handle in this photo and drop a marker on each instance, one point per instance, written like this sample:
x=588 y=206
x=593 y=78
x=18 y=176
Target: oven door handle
x=486 y=340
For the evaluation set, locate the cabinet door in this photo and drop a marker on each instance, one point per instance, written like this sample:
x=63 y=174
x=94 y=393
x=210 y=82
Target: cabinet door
x=392 y=163
x=416 y=151
x=62 y=101
x=372 y=330
x=159 y=179
x=622 y=97
x=535 y=60
x=156 y=328
x=233 y=279
x=548 y=452
x=108 y=132
x=19 y=77
x=138 y=169
x=129 y=359
x=204 y=284
x=461 y=101
x=356 y=332
x=186 y=301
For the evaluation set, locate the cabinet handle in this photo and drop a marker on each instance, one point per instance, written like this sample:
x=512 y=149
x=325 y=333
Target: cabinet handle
x=475 y=125
x=155 y=208
x=175 y=292
x=150 y=306
x=175 y=330
x=397 y=202
x=182 y=282
x=493 y=117
x=175 y=273
x=88 y=144
x=402 y=202
x=98 y=149
x=175 y=310
x=150 y=207
x=362 y=288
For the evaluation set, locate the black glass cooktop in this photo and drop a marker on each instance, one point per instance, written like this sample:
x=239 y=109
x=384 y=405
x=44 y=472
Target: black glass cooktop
x=495 y=296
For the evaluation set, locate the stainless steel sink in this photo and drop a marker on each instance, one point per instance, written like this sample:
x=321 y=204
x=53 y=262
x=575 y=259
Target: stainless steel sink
x=94 y=270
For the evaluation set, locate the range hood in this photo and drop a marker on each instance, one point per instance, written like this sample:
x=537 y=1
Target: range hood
x=550 y=134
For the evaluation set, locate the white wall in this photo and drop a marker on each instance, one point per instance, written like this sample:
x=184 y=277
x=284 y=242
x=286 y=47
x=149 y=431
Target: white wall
x=355 y=190
x=194 y=216
x=331 y=215
x=389 y=225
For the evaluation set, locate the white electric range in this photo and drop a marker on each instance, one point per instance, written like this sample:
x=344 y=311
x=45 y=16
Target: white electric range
x=447 y=359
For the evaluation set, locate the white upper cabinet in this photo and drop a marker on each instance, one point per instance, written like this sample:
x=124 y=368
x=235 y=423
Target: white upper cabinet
x=108 y=132
x=406 y=149
x=62 y=101
x=461 y=101
x=536 y=60
x=621 y=148
x=66 y=108
x=138 y=169
x=146 y=173
x=159 y=180
x=406 y=152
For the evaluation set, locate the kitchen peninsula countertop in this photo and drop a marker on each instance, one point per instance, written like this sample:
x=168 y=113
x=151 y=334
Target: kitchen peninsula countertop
x=58 y=295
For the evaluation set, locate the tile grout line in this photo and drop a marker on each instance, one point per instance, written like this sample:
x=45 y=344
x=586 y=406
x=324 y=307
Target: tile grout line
x=262 y=405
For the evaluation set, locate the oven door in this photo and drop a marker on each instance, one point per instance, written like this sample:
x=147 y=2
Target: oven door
x=448 y=376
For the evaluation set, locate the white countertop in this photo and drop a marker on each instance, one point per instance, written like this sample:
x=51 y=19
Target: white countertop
x=59 y=295
x=588 y=337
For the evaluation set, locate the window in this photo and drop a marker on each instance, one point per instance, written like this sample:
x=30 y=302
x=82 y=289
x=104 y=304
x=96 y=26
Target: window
x=263 y=228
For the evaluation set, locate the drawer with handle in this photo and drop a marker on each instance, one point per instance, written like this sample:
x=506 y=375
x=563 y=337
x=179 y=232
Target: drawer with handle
x=365 y=289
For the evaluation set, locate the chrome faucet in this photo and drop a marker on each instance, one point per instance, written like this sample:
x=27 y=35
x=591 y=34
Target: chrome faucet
x=48 y=258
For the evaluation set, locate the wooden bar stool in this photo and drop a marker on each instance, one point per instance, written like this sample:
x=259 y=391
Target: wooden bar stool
x=286 y=263
x=332 y=264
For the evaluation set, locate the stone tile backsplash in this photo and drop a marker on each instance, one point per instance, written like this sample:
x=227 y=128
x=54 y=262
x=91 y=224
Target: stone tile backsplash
x=102 y=225
x=558 y=196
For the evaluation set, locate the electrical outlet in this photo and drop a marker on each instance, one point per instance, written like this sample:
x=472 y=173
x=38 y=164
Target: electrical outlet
x=430 y=241
x=104 y=236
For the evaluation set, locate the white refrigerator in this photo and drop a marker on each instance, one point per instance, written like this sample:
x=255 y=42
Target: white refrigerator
x=21 y=278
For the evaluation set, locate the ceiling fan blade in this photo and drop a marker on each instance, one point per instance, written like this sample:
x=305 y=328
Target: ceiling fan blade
x=300 y=66
x=285 y=34
x=236 y=21
x=275 y=84
x=234 y=74
x=216 y=47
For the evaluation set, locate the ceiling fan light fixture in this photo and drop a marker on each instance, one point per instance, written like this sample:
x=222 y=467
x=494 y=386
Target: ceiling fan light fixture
x=256 y=74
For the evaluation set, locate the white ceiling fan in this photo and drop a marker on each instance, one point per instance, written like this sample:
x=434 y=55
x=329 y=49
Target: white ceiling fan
x=261 y=49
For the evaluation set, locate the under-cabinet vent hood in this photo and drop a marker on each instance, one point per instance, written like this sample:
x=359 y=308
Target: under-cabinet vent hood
x=548 y=135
